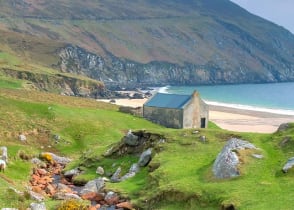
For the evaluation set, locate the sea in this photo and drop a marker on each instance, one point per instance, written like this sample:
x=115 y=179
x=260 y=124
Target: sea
x=271 y=97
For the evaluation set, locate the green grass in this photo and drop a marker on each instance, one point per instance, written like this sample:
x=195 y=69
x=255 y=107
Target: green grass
x=88 y=128
x=10 y=83
x=8 y=59
x=184 y=178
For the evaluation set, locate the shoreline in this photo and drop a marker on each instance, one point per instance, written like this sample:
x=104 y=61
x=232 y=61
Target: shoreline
x=229 y=118
x=242 y=120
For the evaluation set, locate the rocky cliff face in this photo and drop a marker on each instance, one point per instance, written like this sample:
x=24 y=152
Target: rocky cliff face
x=61 y=84
x=147 y=42
x=114 y=71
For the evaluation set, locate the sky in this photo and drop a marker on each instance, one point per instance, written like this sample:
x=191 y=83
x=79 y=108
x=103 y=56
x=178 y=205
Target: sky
x=280 y=12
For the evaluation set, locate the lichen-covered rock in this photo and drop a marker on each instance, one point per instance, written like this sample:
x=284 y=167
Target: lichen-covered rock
x=66 y=196
x=36 y=196
x=288 y=165
x=38 y=206
x=111 y=198
x=36 y=161
x=127 y=176
x=63 y=188
x=283 y=127
x=135 y=168
x=51 y=156
x=145 y=157
x=116 y=176
x=72 y=172
x=100 y=170
x=132 y=172
x=227 y=161
x=93 y=186
x=130 y=139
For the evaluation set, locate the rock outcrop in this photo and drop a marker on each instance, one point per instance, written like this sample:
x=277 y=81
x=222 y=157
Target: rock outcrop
x=38 y=206
x=93 y=186
x=288 y=165
x=136 y=142
x=283 y=127
x=227 y=161
x=61 y=83
x=139 y=143
x=52 y=157
x=130 y=139
x=145 y=158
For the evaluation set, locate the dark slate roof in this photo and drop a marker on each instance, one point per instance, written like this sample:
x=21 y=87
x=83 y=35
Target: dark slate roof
x=173 y=101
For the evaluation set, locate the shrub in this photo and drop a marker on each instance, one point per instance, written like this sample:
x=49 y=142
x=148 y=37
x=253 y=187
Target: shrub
x=47 y=156
x=72 y=205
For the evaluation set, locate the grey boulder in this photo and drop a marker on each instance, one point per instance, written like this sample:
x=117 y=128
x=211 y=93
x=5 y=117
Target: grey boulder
x=288 y=165
x=38 y=206
x=145 y=158
x=227 y=161
x=95 y=185
x=131 y=140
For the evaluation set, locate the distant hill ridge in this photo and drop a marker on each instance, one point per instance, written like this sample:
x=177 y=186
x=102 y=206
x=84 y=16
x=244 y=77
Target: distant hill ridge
x=130 y=43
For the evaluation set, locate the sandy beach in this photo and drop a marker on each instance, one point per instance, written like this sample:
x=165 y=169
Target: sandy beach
x=232 y=119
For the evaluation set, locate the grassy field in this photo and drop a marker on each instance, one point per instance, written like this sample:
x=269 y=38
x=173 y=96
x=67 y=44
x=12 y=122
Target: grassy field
x=183 y=180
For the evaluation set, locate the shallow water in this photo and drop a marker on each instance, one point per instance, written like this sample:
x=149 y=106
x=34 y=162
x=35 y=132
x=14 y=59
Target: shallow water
x=275 y=97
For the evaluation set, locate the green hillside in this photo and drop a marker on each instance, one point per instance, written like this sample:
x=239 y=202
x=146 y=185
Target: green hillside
x=128 y=42
x=183 y=178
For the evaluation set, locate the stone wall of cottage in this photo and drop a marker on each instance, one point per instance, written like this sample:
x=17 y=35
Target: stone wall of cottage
x=171 y=118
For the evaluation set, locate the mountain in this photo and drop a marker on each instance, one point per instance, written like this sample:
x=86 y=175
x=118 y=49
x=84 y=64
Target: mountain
x=148 y=42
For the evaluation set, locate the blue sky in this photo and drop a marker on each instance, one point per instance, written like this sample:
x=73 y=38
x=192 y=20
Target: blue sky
x=280 y=12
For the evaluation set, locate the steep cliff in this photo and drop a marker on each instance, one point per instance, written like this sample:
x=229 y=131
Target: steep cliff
x=60 y=83
x=114 y=71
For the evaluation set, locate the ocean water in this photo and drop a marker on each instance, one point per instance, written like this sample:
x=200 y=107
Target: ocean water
x=274 y=98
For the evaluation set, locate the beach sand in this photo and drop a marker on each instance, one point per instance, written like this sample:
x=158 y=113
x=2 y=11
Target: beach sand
x=231 y=119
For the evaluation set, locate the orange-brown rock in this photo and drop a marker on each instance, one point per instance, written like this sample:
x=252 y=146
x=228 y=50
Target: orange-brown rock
x=92 y=196
x=63 y=188
x=47 y=179
x=41 y=182
x=42 y=171
x=37 y=189
x=125 y=205
x=50 y=190
x=35 y=177
x=112 y=201
x=89 y=196
x=64 y=181
x=42 y=186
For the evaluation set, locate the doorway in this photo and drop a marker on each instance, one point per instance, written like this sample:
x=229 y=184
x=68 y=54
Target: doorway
x=203 y=122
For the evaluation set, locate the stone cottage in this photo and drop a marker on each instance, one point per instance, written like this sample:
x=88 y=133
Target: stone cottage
x=177 y=111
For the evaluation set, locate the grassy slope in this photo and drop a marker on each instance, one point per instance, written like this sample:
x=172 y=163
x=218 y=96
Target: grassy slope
x=142 y=31
x=82 y=125
x=18 y=62
x=184 y=177
x=185 y=174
